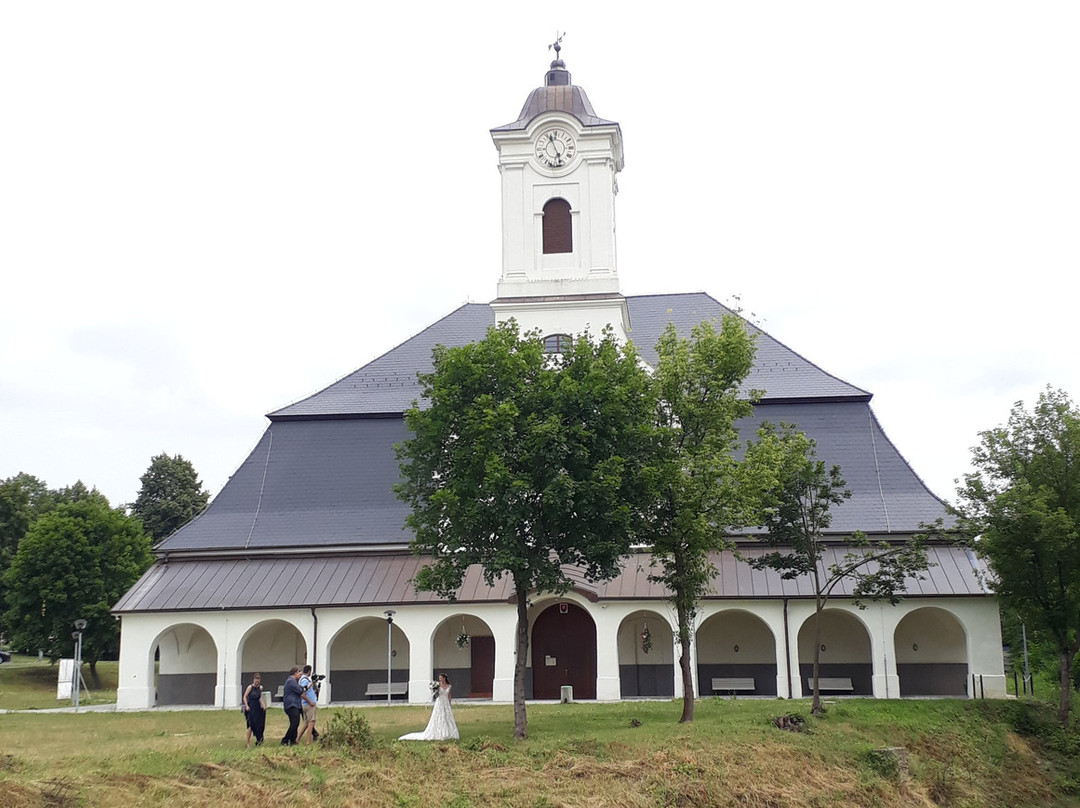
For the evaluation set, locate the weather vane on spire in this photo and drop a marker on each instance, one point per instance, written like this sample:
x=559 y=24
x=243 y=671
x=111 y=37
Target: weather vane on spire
x=557 y=44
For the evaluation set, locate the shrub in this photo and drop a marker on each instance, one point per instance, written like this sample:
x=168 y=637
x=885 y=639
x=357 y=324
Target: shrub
x=349 y=729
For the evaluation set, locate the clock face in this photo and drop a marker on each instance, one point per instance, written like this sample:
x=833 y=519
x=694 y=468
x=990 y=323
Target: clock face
x=555 y=148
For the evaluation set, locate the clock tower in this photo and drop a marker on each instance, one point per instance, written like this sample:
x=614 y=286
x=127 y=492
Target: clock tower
x=558 y=163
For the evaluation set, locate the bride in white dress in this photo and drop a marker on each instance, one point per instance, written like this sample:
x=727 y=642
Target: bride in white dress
x=441 y=726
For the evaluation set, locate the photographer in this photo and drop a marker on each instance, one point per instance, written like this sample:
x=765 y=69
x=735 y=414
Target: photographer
x=311 y=697
x=294 y=698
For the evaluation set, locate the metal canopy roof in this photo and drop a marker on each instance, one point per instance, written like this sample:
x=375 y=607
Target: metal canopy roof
x=377 y=580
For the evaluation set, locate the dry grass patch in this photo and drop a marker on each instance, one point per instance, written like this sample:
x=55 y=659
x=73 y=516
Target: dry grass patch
x=577 y=756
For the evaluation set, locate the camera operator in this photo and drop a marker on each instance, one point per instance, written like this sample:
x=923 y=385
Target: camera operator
x=311 y=697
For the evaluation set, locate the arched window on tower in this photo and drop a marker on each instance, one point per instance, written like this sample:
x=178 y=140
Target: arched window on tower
x=558 y=231
x=556 y=343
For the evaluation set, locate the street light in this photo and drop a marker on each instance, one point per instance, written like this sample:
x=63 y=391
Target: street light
x=76 y=677
x=389 y=613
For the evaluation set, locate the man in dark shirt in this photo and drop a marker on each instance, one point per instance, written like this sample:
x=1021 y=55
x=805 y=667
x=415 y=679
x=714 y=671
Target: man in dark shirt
x=294 y=697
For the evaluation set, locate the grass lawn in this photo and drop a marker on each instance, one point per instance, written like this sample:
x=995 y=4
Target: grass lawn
x=960 y=753
x=27 y=683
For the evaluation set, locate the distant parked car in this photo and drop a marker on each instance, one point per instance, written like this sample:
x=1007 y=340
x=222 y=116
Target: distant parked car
x=5 y=656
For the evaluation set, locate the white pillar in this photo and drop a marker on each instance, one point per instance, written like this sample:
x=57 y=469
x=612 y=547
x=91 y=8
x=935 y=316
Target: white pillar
x=785 y=675
x=229 y=688
x=798 y=613
x=504 y=627
x=135 y=680
x=608 y=681
x=886 y=680
x=418 y=628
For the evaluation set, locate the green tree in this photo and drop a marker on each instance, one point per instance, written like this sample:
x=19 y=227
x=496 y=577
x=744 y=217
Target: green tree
x=1021 y=507
x=19 y=498
x=524 y=462
x=74 y=562
x=23 y=498
x=798 y=511
x=702 y=490
x=171 y=495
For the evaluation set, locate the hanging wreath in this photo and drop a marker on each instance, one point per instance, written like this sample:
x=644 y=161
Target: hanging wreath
x=463 y=638
x=646 y=639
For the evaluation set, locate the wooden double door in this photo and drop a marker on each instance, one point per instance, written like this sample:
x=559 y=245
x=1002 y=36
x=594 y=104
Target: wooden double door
x=564 y=652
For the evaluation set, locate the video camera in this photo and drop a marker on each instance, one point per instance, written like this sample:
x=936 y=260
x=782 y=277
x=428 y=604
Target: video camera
x=316 y=681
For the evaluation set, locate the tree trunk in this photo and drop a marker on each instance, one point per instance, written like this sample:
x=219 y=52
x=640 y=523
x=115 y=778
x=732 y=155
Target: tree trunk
x=1065 y=660
x=815 y=705
x=520 y=723
x=687 y=683
x=685 y=628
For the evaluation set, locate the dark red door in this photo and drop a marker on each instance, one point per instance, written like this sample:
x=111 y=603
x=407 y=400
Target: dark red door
x=483 y=666
x=564 y=652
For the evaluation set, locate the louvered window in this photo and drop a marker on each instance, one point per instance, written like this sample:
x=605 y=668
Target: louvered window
x=558 y=231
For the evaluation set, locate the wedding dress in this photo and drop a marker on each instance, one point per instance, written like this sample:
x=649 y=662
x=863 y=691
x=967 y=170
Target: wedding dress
x=441 y=726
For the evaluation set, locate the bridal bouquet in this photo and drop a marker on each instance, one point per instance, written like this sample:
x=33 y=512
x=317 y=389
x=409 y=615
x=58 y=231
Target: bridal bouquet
x=434 y=691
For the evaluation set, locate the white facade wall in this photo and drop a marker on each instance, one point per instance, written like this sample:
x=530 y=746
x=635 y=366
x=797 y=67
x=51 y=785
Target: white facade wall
x=423 y=635
x=567 y=317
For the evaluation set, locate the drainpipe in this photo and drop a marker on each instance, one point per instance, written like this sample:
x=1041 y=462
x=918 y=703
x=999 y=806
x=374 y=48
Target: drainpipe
x=314 y=640
x=787 y=651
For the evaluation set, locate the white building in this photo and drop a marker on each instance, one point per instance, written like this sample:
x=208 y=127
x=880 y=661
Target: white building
x=302 y=554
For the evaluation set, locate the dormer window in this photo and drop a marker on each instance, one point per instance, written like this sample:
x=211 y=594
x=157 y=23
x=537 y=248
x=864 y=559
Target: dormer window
x=558 y=230
x=556 y=343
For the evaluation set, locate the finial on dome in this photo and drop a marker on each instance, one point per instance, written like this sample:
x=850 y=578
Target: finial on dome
x=558 y=74
x=557 y=45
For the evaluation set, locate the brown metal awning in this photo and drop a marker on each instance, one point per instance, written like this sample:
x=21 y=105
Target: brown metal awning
x=378 y=580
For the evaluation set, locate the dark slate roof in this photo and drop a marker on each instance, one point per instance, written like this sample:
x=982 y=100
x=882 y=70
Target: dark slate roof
x=778 y=370
x=388 y=384
x=323 y=473
x=363 y=580
x=886 y=494
x=329 y=483
x=307 y=483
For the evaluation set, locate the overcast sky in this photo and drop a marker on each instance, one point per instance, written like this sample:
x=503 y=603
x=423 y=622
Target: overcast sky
x=209 y=210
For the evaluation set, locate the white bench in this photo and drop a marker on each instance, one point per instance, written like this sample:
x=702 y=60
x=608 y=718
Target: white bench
x=731 y=685
x=830 y=683
x=379 y=689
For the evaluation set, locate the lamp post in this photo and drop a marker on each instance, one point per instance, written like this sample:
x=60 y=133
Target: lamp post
x=76 y=676
x=389 y=613
x=1027 y=672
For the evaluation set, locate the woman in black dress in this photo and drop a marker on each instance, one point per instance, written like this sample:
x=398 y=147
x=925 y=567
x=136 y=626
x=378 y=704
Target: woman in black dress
x=254 y=711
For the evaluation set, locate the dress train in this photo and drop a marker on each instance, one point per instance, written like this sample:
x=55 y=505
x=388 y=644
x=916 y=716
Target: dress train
x=441 y=726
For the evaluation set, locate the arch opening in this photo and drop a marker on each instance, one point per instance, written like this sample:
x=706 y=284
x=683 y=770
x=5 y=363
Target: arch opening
x=646 y=646
x=846 y=652
x=270 y=648
x=463 y=647
x=931 y=654
x=185 y=657
x=364 y=653
x=736 y=645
